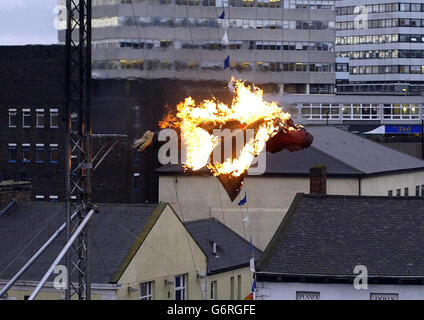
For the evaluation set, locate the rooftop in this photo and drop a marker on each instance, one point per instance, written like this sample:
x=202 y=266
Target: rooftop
x=232 y=252
x=328 y=235
x=113 y=233
x=343 y=153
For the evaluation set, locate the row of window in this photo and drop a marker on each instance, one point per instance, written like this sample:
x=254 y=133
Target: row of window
x=380 y=8
x=40 y=118
x=381 y=54
x=360 y=111
x=171 y=22
x=381 y=38
x=419 y=192
x=43 y=153
x=380 y=88
x=146 y=289
x=216 y=66
x=165 y=44
x=288 y=4
x=402 y=69
x=51 y=198
x=381 y=23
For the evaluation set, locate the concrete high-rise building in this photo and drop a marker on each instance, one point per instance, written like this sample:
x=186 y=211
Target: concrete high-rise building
x=384 y=44
x=288 y=44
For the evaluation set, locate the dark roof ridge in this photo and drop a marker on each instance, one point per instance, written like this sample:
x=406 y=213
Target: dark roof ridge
x=353 y=196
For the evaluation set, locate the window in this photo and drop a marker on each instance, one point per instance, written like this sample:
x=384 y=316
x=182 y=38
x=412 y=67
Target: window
x=54 y=153
x=180 y=287
x=406 y=192
x=417 y=191
x=39 y=153
x=39 y=118
x=136 y=182
x=39 y=197
x=213 y=290
x=146 y=290
x=12 y=153
x=422 y=190
x=232 y=288
x=390 y=193
x=397 y=192
x=239 y=287
x=26 y=157
x=54 y=118
x=53 y=198
x=13 y=119
x=26 y=118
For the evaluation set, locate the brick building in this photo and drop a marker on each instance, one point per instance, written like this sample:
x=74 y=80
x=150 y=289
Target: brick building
x=32 y=124
x=31 y=119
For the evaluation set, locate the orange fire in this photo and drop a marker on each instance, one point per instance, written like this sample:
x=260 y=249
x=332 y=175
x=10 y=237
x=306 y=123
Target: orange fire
x=248 y=111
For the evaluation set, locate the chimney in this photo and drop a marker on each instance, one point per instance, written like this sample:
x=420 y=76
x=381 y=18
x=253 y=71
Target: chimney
x=318 y=180
x=20 y=191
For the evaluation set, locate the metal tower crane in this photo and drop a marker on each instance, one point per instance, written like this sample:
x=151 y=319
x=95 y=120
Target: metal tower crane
x=79 y=162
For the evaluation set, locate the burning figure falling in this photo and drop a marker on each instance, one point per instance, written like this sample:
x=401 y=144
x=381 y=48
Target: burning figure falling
x=269 y=125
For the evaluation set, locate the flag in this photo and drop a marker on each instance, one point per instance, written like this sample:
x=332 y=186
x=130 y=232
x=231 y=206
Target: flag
x=254 y=285
x=252 y=264
x=222 y=16
x=225 y=38
x=227 y=62
x=243 y=201
x=249 y=296
x=252 y=260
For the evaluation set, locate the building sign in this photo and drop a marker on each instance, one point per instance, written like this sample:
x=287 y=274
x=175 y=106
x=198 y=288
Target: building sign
x=307 y=295
x=403 y=129
x=384 y=296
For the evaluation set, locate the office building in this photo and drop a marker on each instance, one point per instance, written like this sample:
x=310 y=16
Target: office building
x=384 y=44
x=285 y=45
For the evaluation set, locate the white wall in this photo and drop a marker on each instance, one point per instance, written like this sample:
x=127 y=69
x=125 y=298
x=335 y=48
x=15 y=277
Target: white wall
x=380 y=185
x=287 y=291
x=268 y=199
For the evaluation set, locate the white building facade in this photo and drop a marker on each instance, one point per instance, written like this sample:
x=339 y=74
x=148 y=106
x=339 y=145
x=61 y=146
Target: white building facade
x=384 y=41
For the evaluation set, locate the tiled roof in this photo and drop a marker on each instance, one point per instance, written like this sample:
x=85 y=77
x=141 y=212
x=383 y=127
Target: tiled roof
x=328 y=235
x=360 y=153
x=232 y=250
x=114 y=230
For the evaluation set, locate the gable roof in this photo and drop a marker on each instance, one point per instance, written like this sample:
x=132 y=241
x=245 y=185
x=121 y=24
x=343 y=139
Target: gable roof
x=343 y=153
x=233 y=251
x=115 y=230
x=287 y=163
x=360 y=153
x=328 y=235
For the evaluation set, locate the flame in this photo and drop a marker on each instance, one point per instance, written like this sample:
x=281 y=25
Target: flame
x=248 y=108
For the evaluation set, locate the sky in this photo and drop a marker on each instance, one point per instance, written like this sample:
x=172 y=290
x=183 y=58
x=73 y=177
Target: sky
x=27 y=22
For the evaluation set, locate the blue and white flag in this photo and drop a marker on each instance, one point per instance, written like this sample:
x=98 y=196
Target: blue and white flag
x=243 y=201
x=252 y=259
x=222 y=16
